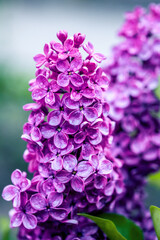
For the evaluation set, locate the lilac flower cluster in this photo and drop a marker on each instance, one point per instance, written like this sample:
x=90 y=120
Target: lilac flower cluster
x=68 y=136
x=134 y=70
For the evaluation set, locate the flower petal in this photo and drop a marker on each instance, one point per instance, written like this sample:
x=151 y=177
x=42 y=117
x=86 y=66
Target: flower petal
x=48 y=131
x=38 y=202
x=16 y=219
x=63 y=80
x=105 y=167
x=59 y=214
x=42 y=82
x=57 y=164
x=87 y=150
x=76 y=80
x=29 y=221
x=84 y=169
x=38 y=94
x=80 y=137
x=60 y=140
x=54 y=118
x=63 y=65
x=77 y=184
x=36 y=134
x=64 y=176
x=16 y=177
x=91 y=114
x=69 y=129
x=55 y=199
x=9 y=192
x=50 y=98
x=75 y=117
x=69 y=162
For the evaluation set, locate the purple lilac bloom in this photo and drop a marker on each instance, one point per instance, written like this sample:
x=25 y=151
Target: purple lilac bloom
x=68 y=135
x=134 y=71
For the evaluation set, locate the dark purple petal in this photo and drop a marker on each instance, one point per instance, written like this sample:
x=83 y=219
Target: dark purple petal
x=16 y=219
x=61 y=140
x=100 y=181
x=55 y=199
x=54 y=118
x=77 y=184
x=75 y=117
x=76 y=80
x=69 y=162
x=9 y=192
x=29 y=221
x=109 y=189
x=80 y=137
x=63 y=79
x=38 y=202
x=59 y=214
x=84 y=169
x=91 y=114
x=42 y=216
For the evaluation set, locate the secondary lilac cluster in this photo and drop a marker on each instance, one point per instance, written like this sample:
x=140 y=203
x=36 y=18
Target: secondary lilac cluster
x=134 y=70
x=68 y=136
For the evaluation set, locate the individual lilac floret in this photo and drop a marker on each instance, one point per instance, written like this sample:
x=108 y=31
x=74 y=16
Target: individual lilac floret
x=135 y=69
x=13 y=192
x=68 y=135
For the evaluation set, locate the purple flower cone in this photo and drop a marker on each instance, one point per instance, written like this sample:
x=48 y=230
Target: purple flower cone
x=68 y=137
x=134 y=71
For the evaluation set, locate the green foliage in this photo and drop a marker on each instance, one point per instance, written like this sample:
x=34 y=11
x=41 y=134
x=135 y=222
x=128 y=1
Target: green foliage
x=157 y=90
x=116 y=227
x=155 y=213
x=154 y=179
x=5 y=232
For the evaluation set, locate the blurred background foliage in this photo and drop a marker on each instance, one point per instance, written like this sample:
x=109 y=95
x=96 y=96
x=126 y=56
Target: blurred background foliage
x=25 y=26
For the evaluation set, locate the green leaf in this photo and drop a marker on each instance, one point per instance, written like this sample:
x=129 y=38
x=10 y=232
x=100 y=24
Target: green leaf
x=154 y=179
x=116 y=227
x=155 y=213
x=157 y=90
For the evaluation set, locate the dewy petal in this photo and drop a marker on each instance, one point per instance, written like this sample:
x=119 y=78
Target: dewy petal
x=63 y=65
x=54 y=118
x=24 y=184
x=16 y=219
x=79 y=137
x=36 y=134
x=75 y=117
x=60 y=140
x=105 y=167
x=29 y=221
x=69 y=162
x=42 y=82
x=76 y=80
x=38 y=94
x=50 y=98
x=59 y=214
x=63 y=79
x=77 y=184
x=84 y=169
x=9 y=192
x=87 y=150
x=16 y=177
x=48 y=131
x=71 y=103
x=57 y=164
x=38 y=202
x=55 y=199
x=91 y=114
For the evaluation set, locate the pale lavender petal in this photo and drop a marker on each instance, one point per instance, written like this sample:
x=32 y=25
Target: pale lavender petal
x=57 y=164
x=17 y=200
x=59 y=214
x=84 y=169
x=16 y=177
x=36 y=134
x=105 y=167
x=69 y=162
x=76 y=80
x=55 y=199
x=54 y=118
x=24 y=184
x=98 y=57
x=9 y=192
x=29 y=221
x=96 y=140
x=77 y=184
x=39 y=58
x=91 y=114
x=71 y=103
x=68 y=44
x=31 y=106
x=104 y=128
x=75 y=117
x=50 y=98
x=60 y=187
x=63 y=79
x=105 y=109
x=38 y=202
x=60 y=140
x=16 y=219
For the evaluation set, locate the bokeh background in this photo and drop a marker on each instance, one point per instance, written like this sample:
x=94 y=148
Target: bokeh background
x=25 y=26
